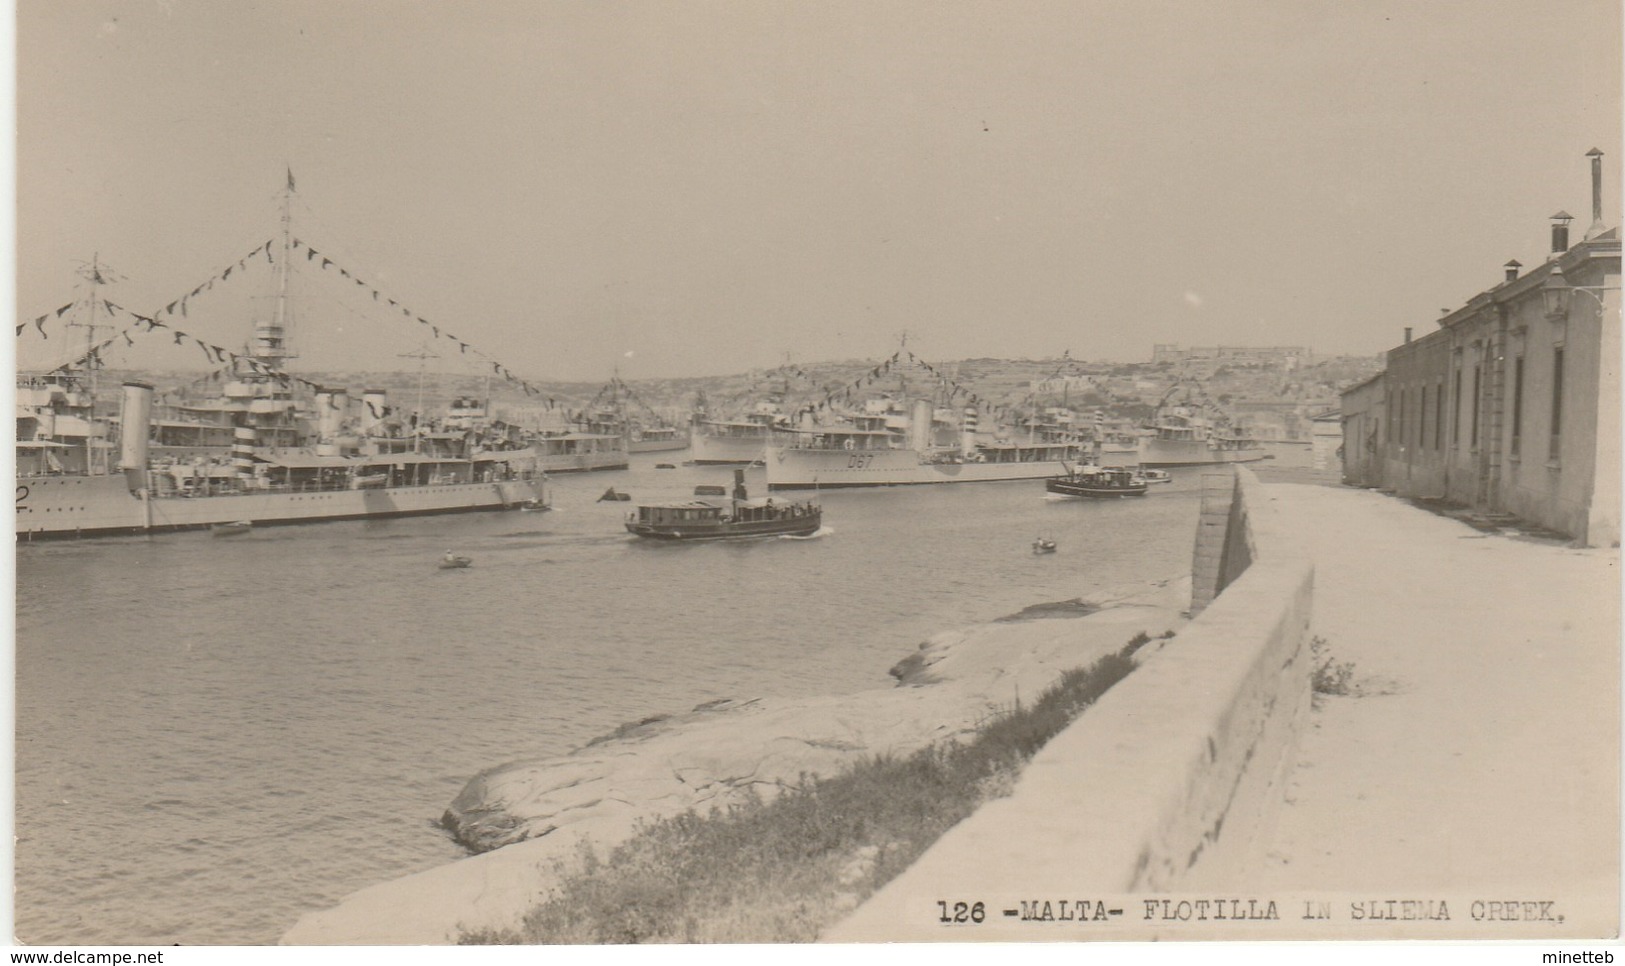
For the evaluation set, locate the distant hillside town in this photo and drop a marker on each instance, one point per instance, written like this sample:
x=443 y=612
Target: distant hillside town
x=1273 y=393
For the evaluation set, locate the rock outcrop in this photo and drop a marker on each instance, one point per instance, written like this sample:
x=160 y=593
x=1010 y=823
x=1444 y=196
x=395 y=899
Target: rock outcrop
x=530 y=819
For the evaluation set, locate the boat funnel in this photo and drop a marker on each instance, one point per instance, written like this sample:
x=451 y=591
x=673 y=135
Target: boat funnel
x=134 y=430
x=242 y=452
x=326 y=421
x=340 y=411
x=919 y=426
x=739 y=485
x=967 y=433
x=374 y=407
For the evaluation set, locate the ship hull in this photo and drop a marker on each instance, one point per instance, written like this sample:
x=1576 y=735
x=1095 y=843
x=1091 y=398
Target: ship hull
x=1091 y=490
x=1193 y=452
x=799 y=527
x=57 y=507
x=727 y=450
x=804 y=469
x=656 y=445
x=581 y=462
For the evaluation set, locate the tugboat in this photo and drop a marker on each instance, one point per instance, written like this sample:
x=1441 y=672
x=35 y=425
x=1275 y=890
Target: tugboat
x=1098 y=482
x=738 y=518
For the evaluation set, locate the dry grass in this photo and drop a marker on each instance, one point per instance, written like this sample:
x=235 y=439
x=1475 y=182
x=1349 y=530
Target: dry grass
x=782 y=870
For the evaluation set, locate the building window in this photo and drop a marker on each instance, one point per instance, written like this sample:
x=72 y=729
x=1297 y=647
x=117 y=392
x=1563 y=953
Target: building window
x=1399 y=422
x=1422 y=421
x=1557 y=402
x=1455 y=409
x=1438 y=415
x=1473 y=440
x=1517 y=405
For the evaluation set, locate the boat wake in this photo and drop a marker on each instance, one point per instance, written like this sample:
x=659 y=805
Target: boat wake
x=820 y=532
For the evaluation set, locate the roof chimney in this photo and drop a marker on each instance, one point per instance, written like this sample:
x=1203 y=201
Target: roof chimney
x=1407 y=335
x=1512 y=269
x=1560 y=232
x=1596 y=193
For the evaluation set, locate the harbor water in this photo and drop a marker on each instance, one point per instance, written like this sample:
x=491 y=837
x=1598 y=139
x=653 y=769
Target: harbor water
x=215 y=736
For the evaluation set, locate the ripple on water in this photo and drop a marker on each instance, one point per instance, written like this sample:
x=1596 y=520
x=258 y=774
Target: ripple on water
x=280 y=721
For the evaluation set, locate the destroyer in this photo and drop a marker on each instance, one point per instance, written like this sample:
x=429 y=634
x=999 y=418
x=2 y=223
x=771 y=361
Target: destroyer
x=610 y=414
x=362 y=464
x=1189 y=430
x=846 y=456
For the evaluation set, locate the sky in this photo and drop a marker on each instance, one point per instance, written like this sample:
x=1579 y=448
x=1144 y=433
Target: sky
x=690 y=188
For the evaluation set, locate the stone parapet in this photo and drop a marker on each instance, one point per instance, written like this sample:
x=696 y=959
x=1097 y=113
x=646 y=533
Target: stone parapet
x=1172 y=781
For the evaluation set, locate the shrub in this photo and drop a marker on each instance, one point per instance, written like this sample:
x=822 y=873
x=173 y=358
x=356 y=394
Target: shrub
x=1330 y=676
x=780 y=871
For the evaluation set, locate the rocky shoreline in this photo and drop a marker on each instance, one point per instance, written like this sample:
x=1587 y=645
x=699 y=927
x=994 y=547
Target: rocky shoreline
x=528 y=821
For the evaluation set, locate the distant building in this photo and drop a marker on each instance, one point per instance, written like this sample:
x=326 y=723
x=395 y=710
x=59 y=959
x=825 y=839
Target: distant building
x=1325 y=439
x=1287 y=357
x=1058 y=384
x=1513 y=404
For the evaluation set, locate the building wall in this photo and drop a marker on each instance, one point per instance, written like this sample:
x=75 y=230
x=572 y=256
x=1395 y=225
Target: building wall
x=1326 y=440
x=1478 y=412
x=1196 y=746
x=1364 y=431
x=1417 y=451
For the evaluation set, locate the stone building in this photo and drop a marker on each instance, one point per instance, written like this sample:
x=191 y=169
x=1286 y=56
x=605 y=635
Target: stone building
x=1325 y=439
x=1284 y=356
x=1512 y=404
x=1362 y=415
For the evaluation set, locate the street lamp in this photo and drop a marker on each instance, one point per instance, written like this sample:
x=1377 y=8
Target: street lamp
x=1557 y=293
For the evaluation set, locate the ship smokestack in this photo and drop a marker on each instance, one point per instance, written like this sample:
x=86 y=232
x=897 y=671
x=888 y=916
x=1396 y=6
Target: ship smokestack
x=242 y=453
x=919 y=426
x=135 y=427
x=373 y=404
x=1560 y=232
x=326 y=424
x=339 y=412
x=967 y=434
x=1596 y=193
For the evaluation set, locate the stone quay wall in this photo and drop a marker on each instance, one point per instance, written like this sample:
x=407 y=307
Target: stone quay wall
x=1171 y=782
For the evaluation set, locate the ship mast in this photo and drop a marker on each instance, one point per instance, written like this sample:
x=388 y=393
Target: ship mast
x=271 y=338
x=94 y=275
x=422 y=356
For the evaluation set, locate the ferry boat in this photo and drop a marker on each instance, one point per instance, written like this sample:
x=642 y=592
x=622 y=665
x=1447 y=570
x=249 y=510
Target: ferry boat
x=848 y=456
x=739 y=518
x=1098 y=482
x=358 y=467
